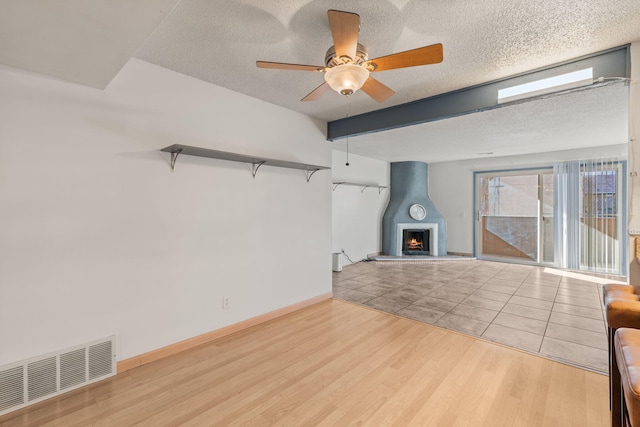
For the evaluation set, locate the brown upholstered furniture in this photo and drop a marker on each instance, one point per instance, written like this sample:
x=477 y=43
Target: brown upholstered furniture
x=622 y=304
x=627 y=350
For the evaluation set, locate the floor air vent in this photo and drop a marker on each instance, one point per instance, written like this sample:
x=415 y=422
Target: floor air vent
x=33 y=380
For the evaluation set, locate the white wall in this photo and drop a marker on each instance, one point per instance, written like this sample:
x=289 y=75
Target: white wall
x=634 y=160
x=451 y=185
x=357 y=214
x=99 y=237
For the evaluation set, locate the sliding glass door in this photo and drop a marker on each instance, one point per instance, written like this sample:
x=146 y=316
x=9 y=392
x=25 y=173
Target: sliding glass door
x=515 y=216
x=570 y=216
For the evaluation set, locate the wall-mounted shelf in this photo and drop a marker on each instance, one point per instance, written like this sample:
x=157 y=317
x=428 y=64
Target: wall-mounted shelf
x=359 y=184
x=256 y=162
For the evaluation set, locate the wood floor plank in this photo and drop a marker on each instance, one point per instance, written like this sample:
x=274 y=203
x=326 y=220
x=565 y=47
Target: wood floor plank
x=335 y=364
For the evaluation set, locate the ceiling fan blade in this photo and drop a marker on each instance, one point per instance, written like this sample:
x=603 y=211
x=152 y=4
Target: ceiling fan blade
x=409 y=58
x=317 y=92
x=285 y=66
x=377 y=90
x=344 y=29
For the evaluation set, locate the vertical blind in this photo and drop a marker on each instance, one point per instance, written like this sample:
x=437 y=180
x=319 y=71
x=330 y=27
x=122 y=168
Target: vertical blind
x=587 y=208
x=566 y=207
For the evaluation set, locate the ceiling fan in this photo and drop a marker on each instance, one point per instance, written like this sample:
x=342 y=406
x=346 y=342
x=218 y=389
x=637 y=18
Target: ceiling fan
x=348 y=65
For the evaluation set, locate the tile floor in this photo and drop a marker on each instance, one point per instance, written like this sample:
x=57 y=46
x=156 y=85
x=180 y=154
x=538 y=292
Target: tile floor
x=550 y=312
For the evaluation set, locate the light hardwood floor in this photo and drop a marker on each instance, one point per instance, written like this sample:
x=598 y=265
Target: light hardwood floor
x=335 y=363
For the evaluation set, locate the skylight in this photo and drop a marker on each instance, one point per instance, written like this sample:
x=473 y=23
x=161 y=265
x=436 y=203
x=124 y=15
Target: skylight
x=548 y=85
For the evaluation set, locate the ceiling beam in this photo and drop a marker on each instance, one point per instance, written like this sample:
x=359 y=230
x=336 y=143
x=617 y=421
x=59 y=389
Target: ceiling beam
x=611 y=63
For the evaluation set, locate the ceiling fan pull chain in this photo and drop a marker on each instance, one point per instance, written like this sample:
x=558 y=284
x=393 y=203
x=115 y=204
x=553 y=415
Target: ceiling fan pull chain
x=347 y=164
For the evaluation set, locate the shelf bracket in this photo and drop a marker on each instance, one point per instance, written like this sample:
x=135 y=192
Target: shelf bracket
x=310 y=173
x=255 y=166
x=364 y=187
x=174 y=157
x=335 y=185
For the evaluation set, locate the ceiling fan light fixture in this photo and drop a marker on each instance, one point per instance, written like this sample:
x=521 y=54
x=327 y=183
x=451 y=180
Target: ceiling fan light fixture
x=347 y=64
x=346 y=79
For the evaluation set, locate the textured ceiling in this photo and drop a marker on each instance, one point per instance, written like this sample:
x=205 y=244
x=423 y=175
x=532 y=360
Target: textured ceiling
x=219 y=42
x=484 y=40
x=589 y=118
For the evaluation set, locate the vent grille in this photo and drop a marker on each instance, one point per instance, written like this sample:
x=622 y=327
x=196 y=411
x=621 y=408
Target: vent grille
x=42 y=378
x=33 y=380
x=100 y=360
x=11 y=388
x=73 y=368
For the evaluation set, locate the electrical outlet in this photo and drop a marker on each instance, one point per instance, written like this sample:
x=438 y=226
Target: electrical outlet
x=634 y=232
x=225 y=302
